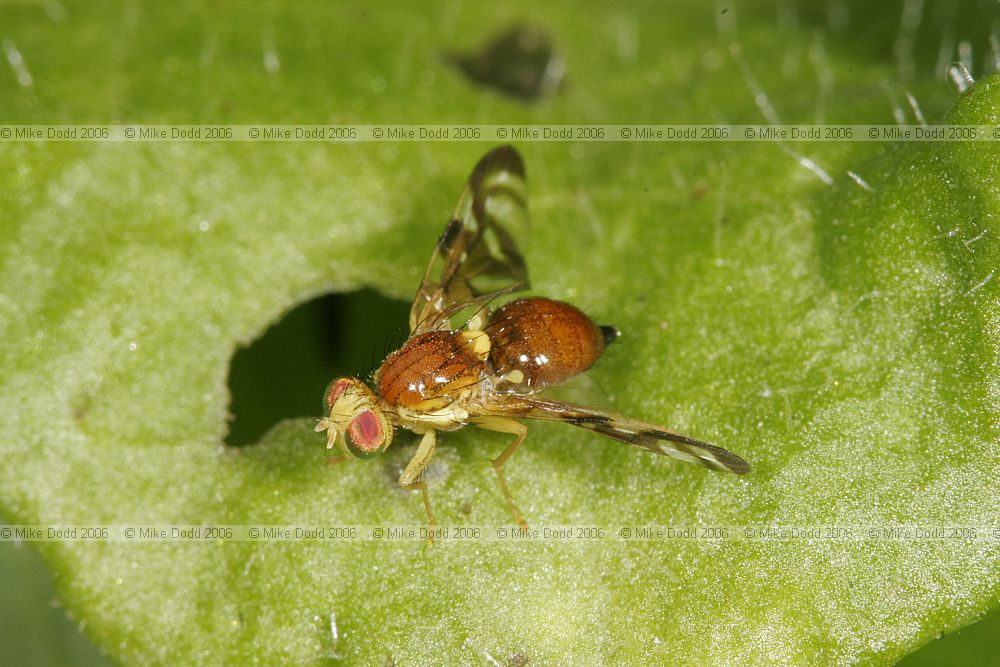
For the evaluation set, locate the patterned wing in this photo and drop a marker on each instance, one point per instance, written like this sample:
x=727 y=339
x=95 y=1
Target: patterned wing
x=476 y=258
x=630 y=431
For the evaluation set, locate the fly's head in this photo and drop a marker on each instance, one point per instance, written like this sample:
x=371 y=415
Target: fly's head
x=355 y=422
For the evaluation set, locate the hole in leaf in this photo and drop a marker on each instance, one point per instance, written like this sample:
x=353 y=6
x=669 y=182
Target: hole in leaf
x=283 y=373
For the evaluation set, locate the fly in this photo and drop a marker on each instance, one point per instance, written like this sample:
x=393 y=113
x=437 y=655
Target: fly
x=491 y=371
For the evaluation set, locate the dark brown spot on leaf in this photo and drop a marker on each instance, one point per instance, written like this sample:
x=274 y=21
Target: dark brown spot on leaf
x=519 y=659
x=521 y=62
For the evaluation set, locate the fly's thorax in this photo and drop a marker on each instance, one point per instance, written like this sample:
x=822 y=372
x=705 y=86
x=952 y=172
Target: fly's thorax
x=356 y=421
x=432 y=370
x=538 y=342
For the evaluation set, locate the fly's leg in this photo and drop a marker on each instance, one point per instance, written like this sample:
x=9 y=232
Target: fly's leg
x=410 y=478
x=516 y=428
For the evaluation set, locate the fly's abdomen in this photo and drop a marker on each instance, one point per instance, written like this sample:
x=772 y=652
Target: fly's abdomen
x=428 y=370
x=539 y=342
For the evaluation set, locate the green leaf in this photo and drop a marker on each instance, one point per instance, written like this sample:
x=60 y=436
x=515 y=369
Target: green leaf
x=840 y=334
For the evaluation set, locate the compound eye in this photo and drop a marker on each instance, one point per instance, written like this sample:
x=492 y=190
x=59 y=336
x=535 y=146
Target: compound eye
x=367 y=435
x=334 y=391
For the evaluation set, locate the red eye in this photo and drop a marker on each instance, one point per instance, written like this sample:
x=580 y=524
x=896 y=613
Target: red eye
x=334 y=391
x=366 y=432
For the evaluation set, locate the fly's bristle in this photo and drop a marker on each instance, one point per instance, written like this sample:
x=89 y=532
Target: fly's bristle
x=610 y=334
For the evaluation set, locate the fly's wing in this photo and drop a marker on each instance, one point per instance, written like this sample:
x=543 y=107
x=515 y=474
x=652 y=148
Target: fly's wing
x=630 y=431
x=476 y=258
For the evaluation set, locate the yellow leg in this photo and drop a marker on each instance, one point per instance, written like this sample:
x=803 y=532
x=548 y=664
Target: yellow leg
x=504 y=425
x=410 y=478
